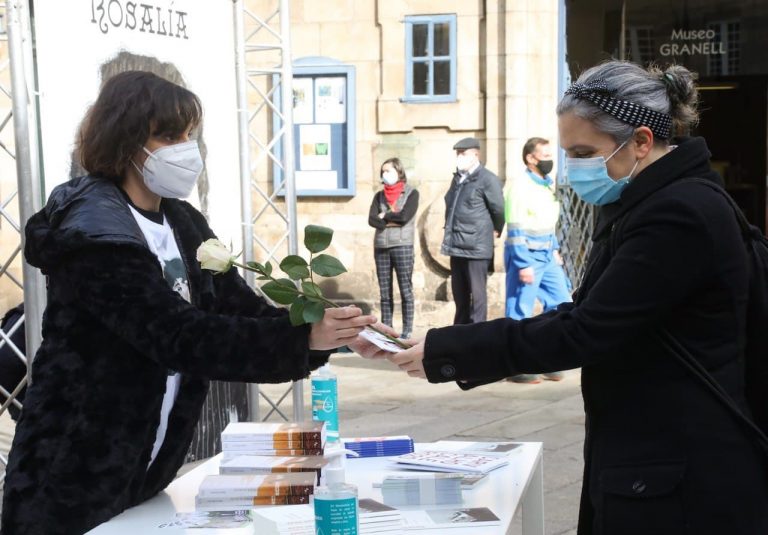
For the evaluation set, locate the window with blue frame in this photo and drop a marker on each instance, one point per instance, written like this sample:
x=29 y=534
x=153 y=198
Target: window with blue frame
x=430 y=58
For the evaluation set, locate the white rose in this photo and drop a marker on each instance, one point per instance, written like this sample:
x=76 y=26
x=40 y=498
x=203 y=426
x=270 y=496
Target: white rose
x=215 y=256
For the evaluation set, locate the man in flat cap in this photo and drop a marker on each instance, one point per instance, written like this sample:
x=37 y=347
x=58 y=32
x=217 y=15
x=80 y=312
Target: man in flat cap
x=474 y=213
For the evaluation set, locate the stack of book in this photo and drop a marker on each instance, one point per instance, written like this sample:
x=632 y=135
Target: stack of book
x=379 y=446
x=422 y=489
x=230 y=492
x=275 y=439
x=374 y=518
x=267 y=464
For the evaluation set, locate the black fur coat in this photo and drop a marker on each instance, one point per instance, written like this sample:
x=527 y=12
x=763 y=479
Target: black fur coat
x=111 y=330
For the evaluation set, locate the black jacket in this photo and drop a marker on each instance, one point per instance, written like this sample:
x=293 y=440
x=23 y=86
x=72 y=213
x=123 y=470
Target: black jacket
x=111 y=330
x=662 y=455
x=474 y=209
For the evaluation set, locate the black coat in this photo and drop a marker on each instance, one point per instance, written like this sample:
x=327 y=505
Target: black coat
x=112 y=329
x=474 y=209
x=662 y=456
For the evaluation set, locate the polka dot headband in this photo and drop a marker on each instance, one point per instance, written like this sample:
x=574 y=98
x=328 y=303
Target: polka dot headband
x=598 y=93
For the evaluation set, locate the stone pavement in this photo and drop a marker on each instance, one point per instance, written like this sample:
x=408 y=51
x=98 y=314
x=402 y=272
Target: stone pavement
x=377 y=399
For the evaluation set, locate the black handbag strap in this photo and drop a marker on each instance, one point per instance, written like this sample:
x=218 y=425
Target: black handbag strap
x=679 y=351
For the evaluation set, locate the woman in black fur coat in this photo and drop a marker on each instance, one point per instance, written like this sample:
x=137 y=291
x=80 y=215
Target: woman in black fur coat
x=134 y=329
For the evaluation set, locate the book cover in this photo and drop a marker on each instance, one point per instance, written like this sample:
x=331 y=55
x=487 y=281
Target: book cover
x=359 y=440
x=288 y=431
x=257 y=464
x=295 y=443
x=372 y=509
x=452 y=461
x=456 y=517
x=251 y=485
x=469 y=481
x=202 y=501
x=494 y=448
x=229 y=455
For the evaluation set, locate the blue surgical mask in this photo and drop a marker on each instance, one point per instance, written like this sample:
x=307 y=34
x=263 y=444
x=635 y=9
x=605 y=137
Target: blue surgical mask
x=590 y=180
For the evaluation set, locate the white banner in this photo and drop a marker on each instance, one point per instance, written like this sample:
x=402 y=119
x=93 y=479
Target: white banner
x=190 y=42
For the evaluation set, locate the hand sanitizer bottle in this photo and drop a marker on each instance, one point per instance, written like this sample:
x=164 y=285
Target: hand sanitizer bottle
x=336 y=501
x=325 y=401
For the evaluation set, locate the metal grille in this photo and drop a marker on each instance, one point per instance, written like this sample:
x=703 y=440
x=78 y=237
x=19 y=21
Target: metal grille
x=639 y=45
x=269 y=210
x=11 y=280
x=577 y=220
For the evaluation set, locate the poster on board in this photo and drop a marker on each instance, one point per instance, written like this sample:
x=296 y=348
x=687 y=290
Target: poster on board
x=303 y=101
x=330 y=100
x=79 y=43
x=315 y=143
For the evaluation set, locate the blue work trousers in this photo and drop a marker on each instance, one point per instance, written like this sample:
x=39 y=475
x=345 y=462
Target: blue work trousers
x=550 y=285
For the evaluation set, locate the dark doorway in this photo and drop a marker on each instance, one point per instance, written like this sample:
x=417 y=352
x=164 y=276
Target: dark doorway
x=734 y=115
x=724 y=42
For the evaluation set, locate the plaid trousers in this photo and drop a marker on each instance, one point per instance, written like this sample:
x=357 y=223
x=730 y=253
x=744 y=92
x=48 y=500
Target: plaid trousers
x=401 y=258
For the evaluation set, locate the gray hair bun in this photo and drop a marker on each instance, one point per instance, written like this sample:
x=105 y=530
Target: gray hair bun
x=680 y=84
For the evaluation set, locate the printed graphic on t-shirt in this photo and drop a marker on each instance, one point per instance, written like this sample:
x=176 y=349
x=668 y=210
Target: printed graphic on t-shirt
x=176 y=276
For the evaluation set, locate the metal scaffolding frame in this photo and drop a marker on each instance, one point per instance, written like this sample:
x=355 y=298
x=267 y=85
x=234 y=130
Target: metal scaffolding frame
x=27 y=198
x=574 y=228
x=265 y=81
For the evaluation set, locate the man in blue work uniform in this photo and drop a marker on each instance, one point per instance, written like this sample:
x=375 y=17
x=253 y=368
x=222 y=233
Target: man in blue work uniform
x=474 y=214
x=531 y=257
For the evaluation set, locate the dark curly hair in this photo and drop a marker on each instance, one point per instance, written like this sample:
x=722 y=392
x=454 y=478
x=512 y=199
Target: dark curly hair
x=119 y=122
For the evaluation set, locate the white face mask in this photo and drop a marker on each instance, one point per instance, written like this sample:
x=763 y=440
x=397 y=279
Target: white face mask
x=464 y=162
x=172 y=171
x=390 y=177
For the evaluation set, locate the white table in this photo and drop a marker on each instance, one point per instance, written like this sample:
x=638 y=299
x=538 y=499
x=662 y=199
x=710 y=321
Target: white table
x=516 y=487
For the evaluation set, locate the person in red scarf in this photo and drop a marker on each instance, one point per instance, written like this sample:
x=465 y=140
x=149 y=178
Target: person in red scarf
x=392 y=214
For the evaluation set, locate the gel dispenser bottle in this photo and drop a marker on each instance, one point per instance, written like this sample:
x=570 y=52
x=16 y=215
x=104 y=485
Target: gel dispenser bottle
x=325 y=401
x=336 y=501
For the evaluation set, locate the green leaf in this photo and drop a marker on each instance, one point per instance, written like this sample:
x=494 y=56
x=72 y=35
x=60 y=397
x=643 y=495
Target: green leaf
x=262 y=278
x=311 y=289
x=262 y=269
x=327 y=266
x=313 y=312
x=258 y=268
x=317 y=238
x=296 y=313
x=281 y=291
x=295 y=267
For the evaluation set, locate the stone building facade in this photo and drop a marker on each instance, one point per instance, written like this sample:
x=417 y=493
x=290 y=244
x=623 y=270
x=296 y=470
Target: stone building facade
x=505 y=92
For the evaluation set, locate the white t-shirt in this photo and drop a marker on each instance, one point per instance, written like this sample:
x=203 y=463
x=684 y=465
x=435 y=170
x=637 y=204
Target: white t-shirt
x=162 y=243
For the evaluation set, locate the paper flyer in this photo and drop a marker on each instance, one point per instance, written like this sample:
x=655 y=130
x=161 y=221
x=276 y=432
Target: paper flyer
x=381 y=341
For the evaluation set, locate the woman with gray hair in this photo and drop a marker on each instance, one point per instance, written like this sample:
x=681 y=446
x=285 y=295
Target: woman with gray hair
x=662 y=454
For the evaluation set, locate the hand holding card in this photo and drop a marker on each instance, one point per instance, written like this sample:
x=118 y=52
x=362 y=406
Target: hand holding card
x=380 y=341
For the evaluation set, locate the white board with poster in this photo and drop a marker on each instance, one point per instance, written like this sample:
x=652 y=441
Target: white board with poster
x=190 y=42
